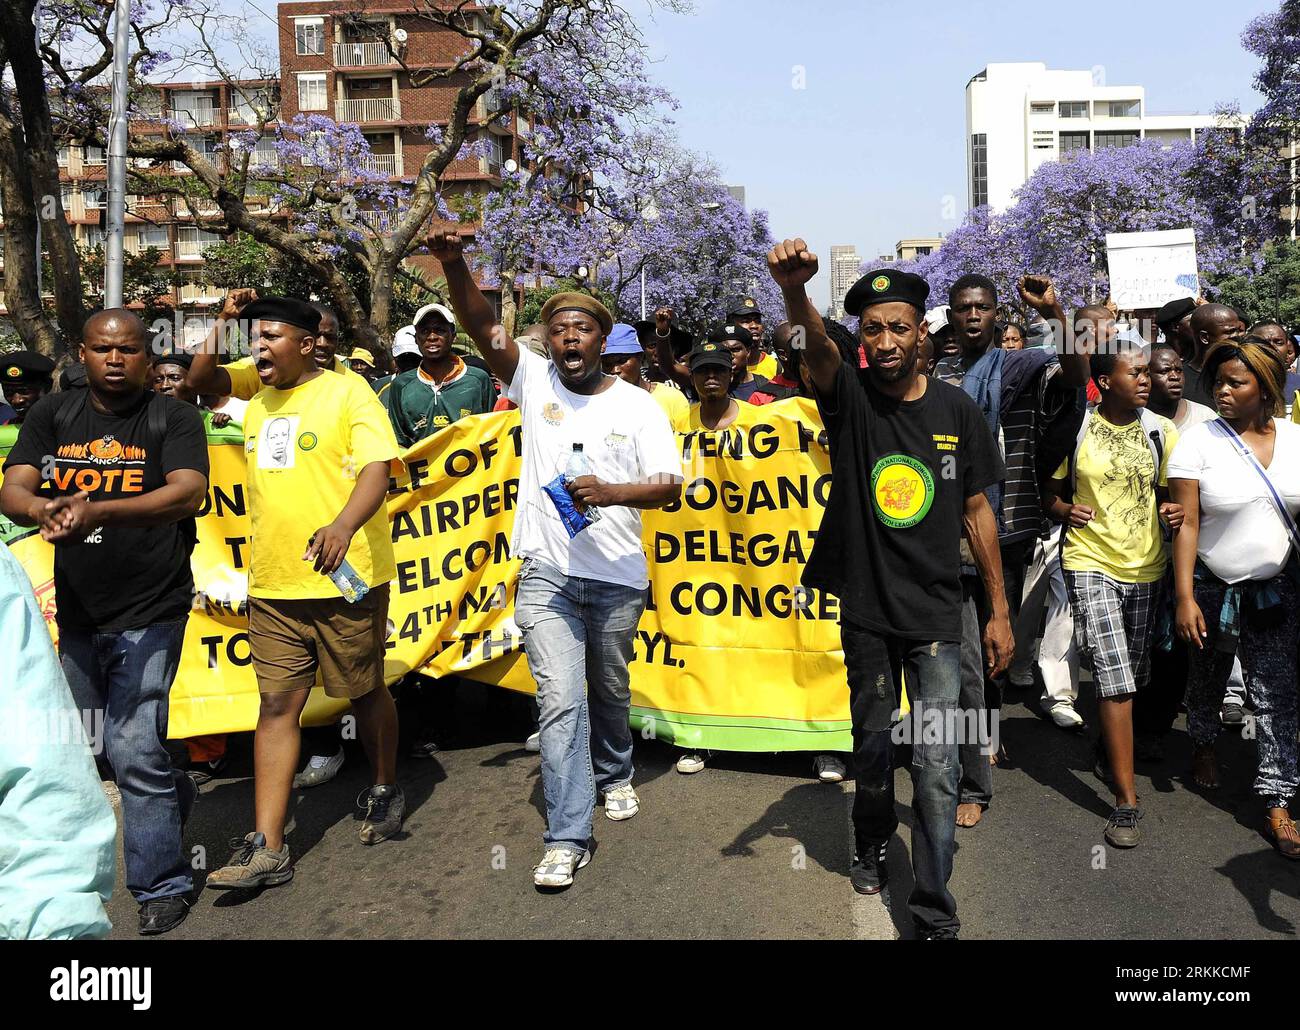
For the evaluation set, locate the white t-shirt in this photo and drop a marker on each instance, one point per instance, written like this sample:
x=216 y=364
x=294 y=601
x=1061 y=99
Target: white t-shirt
x=626 y=437
x=1242 y=535
x=1193 y=414
x=233 y=407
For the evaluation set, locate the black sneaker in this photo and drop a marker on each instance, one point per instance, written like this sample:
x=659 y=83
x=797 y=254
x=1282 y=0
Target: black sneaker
x=1122 y=829
x=385 y=804
x=163 y=914
x=942 y=933
x=205 y=772
x=870 y=874
x=1232 y=715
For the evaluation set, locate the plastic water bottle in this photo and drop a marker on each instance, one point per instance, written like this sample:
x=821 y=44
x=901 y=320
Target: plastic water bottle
x=580 y=465
x=350 y=585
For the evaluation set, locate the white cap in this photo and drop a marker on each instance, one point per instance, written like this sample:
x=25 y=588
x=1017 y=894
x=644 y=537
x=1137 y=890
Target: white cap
x=434 y=309
x=937 y=318
x=404 y=342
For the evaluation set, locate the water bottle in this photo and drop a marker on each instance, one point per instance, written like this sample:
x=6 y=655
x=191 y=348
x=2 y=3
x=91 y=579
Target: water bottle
x=350 y=585
x=580 y=465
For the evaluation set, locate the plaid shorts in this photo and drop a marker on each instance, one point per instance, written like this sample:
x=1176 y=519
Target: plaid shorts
x=1113 y=627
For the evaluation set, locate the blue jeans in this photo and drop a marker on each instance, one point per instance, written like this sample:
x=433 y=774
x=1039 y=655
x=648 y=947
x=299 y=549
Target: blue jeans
x=933 y=672
x=125 y=677
x=578 y=636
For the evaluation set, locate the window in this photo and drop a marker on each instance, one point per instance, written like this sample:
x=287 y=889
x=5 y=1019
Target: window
x=1122 y=108
x=1074 y=109
x=195 y=108
x=309 y=35
x=264 y=155
x=311 y=92
x=94 y=237
x=94 y=199
x=923 y=251
x=1106 y=140
x=1043 y=107
x=65 y=155
x=192 y=242
x=1044 y=139
x=979 y=169
x=152 y=236
x=94 y=154
x=1072 y=141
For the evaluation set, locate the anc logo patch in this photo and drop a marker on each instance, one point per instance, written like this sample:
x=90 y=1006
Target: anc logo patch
x=880 y=283
x=902 y=489
x=307 y=441
x=13 y=372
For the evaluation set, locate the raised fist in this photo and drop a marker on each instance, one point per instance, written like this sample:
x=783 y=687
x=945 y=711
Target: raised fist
x=664 y=319
x=235 y=302
x=1038 y=292
x=791 y=264
x=445 y=245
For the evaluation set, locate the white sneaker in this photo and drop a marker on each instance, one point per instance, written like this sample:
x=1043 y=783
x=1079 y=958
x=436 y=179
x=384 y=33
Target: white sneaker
x=534 y=742
x=558 y=866
x=690 y=763
x=1063 y=714
x=829 y=769
x=320 y=769
x=621 y=802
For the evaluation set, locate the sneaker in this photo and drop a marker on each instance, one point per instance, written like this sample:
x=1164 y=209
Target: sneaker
x=1063 y=714
x=534 y=742
x=943 y=933
x=869 y=874
x=558 y=865
x=385 y=804
x=320 y=769
x=159 y=915
x=1232 y=714
x=424 y=747
x=690 y=763
x=205 y=772
x=1122 y=829
x=252 y=865
x=621 y=802
x=829 y=769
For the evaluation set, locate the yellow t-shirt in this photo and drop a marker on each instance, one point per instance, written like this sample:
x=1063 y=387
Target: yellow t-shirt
x=245 y=382
x=305 y=447
x=673 y=402
x=767 y=367
x=1114 y=477
x=689 y=419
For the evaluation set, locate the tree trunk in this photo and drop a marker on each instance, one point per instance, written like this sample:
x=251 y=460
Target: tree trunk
x=42 y=163
x=375 y=328
x=509 y=312
x=22 y=296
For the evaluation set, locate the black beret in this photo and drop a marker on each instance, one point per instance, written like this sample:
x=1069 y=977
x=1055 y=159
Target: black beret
x=286 y=310
x=181 y=359
x=884 y=286
x=25 y=366
x=1174 y=312
x=738 y=306
x=723 y=333
x=709 y=352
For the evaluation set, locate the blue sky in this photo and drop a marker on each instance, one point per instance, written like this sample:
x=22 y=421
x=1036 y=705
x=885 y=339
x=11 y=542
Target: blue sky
x=866 y=153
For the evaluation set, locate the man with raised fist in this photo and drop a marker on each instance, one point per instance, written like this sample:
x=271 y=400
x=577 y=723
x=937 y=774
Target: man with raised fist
x=596 y=451
x=911 y=458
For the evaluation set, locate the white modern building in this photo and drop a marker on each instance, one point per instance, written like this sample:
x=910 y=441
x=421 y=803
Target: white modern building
x=1021 y=115
x=845 y=271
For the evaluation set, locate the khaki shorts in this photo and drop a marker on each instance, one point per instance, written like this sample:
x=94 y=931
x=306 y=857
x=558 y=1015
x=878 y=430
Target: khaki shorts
x=292 y=639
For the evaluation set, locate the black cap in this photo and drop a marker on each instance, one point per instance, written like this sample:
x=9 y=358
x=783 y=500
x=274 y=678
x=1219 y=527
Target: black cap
x=887 y=285
x=739 y=306
x=709 y=352
x=1174 y=312
x=678 y=338
x=25 y=366
x=181 y=359
x=286 y=310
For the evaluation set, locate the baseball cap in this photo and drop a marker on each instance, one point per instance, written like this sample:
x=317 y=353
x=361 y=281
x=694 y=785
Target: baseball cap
x=404 y=342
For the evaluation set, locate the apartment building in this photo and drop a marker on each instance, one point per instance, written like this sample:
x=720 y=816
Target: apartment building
x=1019 y=116
x=845 y=271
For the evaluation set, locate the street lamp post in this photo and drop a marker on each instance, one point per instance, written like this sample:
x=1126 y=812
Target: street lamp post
x=117 y=131
x=649 y=214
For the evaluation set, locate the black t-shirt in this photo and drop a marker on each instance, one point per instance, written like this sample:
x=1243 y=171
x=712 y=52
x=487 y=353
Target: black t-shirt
x=1195 y=388
x=889 y=543
x=118 y=577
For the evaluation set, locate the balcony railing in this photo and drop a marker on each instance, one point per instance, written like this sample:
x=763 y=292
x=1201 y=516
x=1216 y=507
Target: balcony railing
x=192 y=249
x=378 y=109
x=195 y=116
x=199 y=293
x=383 y=164
x=362 y=55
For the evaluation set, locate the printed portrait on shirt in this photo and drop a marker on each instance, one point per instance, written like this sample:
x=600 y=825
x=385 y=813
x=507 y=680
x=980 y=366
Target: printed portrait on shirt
x=275 y=450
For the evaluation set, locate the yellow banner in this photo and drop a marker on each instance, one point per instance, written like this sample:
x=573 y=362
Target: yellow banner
x=732 y=654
